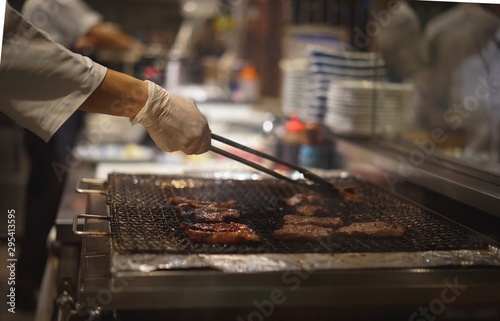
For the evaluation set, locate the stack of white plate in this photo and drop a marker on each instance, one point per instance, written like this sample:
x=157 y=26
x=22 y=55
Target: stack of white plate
x=363 y=108
x=327 y=66
x=344 y=65
x=293 y=86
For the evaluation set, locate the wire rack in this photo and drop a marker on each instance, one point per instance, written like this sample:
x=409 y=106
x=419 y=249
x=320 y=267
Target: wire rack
x=143 y=221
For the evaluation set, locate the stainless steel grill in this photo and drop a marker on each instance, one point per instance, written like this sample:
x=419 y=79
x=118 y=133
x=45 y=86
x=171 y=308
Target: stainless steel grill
x=157 y=271
x=143 y=221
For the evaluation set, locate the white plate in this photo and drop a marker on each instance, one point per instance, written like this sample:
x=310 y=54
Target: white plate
x=343 y=54
x=360 y=105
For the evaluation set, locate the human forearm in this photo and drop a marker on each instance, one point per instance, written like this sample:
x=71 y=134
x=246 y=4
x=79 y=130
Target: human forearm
x=173 y=122
x=118 y=95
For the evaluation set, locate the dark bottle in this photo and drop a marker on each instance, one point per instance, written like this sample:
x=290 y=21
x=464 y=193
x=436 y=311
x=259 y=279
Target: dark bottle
x=314 y=150
x=292 y=140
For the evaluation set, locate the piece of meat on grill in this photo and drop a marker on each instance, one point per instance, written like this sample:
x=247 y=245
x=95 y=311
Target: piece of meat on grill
x=176 y=200
x=318 y=221
x=301 y=199
x=349 y=194
x=297 y=232
x=311 y=210
x=221 y=233
x=207 y=213
x=376 y=228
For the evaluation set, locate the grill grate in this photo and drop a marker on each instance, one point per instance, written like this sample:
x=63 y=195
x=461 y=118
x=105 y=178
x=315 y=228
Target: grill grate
x=142 y=220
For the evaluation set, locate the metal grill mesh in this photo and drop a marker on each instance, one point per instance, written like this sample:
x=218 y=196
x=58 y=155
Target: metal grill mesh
x=142 y=220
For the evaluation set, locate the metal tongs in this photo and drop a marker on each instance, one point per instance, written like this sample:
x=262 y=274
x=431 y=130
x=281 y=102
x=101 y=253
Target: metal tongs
x=311 y=180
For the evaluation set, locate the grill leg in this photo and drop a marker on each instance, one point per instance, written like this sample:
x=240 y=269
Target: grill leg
x=65 y=304
x=65 y=307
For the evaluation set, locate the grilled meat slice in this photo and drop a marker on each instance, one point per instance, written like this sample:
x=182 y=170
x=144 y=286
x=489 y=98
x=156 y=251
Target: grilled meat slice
x=318 y=221
x=349 y=194
x=176 y=200
x=376 y=228
x=300 y=199
x=207 y=213
x=311 y=210
x=302 y=232
x=221 y=233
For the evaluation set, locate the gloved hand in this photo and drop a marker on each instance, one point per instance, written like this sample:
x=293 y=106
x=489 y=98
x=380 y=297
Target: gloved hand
x=173 y=122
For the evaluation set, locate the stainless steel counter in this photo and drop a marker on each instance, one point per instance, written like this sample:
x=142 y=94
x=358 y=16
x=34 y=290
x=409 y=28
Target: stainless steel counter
x=391 y=165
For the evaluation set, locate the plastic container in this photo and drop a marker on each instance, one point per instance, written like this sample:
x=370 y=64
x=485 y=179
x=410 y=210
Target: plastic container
x=249 y=86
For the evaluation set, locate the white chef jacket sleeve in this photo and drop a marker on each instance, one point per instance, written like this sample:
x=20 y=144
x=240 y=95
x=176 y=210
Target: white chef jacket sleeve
x=42 y=83
x=64 y=21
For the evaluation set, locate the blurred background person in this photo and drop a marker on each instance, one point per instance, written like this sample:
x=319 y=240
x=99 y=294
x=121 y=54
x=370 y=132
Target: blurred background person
x=460 y=53
x=448 y=53
x=398 y=41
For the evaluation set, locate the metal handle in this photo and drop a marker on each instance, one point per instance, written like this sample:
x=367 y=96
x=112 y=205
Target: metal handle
x=89 y=233
x=91 y=186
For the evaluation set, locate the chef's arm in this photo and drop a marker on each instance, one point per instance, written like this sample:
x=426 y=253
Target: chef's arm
x=173 y=122
x=118 y=94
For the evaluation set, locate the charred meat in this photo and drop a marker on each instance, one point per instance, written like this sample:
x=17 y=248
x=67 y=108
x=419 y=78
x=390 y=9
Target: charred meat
x=317 y=221
x=221 y=233
x=211 y=222
x=306 y=205
x=207 y=213
x=311 y=210
x=300 y=199
x=377 y=229
x=302 y=232
x=349 y=194
x=176 y=200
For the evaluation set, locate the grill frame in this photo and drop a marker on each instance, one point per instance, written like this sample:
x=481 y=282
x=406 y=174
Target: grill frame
x=142 y=199
x=353 y=280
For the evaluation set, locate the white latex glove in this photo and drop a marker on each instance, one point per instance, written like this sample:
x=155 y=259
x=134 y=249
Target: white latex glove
x=173 y=122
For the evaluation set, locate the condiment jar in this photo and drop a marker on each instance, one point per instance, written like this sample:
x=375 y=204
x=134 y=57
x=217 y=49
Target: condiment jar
x=292 y=140
x=314 y=151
